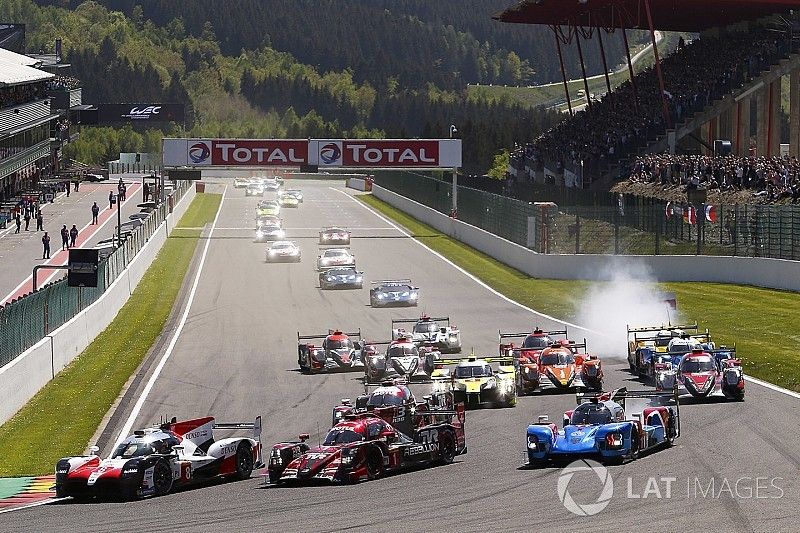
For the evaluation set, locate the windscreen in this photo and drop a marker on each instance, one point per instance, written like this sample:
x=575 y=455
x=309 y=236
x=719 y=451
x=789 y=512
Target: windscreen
x=556 y=358
x=591 y=414
x=697 y=365
x=425 y=327
x=473 y=371
x=341 y=436
x=537 y=341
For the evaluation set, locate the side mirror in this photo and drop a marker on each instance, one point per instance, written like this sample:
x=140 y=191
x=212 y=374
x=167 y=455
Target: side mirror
x=178 y=449
x=93 y=450
x=543 y=419
x=303 y=437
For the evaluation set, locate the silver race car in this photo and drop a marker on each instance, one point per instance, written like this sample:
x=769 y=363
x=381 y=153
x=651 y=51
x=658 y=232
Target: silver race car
x=393 y=293
x=283 y=251
x=335 y=257
x=404 y=358
x=341 y=278
x=334 y=235
x=270 y=232
x=433 y=330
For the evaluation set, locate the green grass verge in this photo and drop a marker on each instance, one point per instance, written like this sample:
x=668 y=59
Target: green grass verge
x=763 y=323
x=63 y=416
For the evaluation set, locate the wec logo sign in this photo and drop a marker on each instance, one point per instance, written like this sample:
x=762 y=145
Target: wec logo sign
x=143 y=112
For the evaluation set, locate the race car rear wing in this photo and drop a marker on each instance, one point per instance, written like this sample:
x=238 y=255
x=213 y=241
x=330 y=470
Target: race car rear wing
x=391 y=282
x=507 y=335
x=507 y=361
x=668 y=327
x=356 y=334
x=445 y=319
x=256 y=427
x=716 y=351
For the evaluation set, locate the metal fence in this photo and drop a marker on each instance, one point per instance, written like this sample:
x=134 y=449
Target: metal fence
x=26 y=321
x=592 y=222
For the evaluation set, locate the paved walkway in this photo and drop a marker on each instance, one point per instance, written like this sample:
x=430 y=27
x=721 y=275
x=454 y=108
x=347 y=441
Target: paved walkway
x=16 y=492
x=19 y=253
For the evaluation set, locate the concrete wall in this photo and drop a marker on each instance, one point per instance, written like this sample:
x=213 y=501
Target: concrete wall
x=760 y=272
x=23 y=377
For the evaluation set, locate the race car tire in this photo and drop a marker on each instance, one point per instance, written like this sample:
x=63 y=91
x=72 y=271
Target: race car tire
x=244 y=461
x=274 y=477
x=162 y=478
x=374 y=463
x=447 y=446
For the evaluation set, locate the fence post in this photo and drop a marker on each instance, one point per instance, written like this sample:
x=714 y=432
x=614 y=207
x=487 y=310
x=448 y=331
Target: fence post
x=616 y=230
x=577 y=232
x=657 y=229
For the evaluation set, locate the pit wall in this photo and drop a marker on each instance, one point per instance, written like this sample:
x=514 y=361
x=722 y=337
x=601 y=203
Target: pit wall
x=759 y=272
x=23 y=377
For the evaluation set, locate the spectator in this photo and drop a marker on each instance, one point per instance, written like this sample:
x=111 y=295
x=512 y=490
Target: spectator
x=73 y=236
x=45 y=246
x=145 y=192
x=27 y=218
x=95 y=212
x=110 y=199
x=64 y=237
x=39 y=221
x=18 y=221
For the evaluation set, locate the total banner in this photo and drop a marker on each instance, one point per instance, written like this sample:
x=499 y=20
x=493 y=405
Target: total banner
x=334 y=153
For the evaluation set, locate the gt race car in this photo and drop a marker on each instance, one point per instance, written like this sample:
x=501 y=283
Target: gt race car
x=427 y=329
x=335 y=257
x=254 y=190
x=269 y=233
x=283 y=252
x=526 y=356
x=341 y=278
x=267 y=208
x=288 y=200
x=393 y=293
x=474 y=382
x=334 y=235
x=613 y=427
x=364 y=446
x=295 y=193
x=702 y=373
x=337 y=352
x=240 y=183
x=273 y=184
x=268 y=220
x=404 y=358
x=155 y=460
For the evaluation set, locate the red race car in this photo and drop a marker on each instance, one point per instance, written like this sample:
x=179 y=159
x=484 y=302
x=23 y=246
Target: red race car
x=526 y=356
x=337 y=352
x=364 y=445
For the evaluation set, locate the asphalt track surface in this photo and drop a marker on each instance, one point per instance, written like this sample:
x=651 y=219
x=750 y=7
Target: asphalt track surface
x=236 y=358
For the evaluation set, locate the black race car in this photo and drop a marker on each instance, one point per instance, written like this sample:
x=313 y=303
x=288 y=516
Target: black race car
x=341 y=278
x=393 y=293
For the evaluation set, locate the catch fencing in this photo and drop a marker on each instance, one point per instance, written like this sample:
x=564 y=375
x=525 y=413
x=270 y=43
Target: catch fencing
x=550 y=219
x=27 y=320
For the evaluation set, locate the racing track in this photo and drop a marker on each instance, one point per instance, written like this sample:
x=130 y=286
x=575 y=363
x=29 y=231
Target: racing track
x=236 y=358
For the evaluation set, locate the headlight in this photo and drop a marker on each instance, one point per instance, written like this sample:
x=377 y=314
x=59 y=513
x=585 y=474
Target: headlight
x=259 y=233
x=381 y=296
x=347 y=456
x=533 y=442
x=406 y=293
x=272 y=252
x=326 y=237
x=414 y=295
x=329 y=278
x=325 y=260
x=280 y=233
x=351 y=277
x=359 y=278
x=295 y=252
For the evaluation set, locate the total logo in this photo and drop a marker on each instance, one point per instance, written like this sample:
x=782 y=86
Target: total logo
x=199 y=152
x=331 y=153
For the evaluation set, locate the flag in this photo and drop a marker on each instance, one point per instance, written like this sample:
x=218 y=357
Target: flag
x=668 y=211
x=711 y=213
x=690 y=215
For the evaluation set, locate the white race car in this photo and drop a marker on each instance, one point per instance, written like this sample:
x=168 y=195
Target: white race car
x=283 y=251
x=433 y=330
x=335 y=257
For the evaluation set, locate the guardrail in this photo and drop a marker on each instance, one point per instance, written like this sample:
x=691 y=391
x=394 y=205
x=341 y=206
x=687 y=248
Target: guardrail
x=27 y=320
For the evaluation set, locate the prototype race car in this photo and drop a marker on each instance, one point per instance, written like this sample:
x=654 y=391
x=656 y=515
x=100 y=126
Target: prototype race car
x=404 y=358
x=240 y=183
x=269 y=233
x=283 y=251
x=644 y=343
x=335 y=257
x=613 y=426
x=341 y=278
x=338 y=352
x=427 y=329
x=297 y=194
x=364 y=446
x=526 y=356
x=702 y=373
x=155 y=460
x=474 y=381
x=254 y=190
x=288 y=200
x=564 y=367
x=393 y=293
x=267 y=207
x=392 y=400
x=334 y=235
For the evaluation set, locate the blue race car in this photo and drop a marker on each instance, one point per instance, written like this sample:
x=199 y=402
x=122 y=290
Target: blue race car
x=393 y=293
x=613 y=427
x=341 y=278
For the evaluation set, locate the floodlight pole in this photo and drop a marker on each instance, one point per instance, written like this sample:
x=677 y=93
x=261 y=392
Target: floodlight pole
x=630 y=70
x=664 y=106
x=583 y=67
x=454 y=211
x=563 y=72
x=119 y=220
x=603 y=55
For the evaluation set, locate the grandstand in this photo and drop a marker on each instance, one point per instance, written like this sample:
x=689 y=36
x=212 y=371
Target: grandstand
x=724 y=85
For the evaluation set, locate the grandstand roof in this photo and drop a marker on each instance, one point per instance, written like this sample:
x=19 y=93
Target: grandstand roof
x=16 y=69
x=674 y=15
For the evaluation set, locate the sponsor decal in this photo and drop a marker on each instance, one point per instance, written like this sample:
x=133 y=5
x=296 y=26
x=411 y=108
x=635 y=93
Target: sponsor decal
x=330 y=153
x=383 y=153
x=259 y=152
x=197 y=434
x=418 y=449
x=199 y=153
x=144 y=112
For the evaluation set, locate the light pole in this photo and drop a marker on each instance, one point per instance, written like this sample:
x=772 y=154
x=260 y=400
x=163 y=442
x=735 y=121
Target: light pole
x=119 y=221
x=454 y=212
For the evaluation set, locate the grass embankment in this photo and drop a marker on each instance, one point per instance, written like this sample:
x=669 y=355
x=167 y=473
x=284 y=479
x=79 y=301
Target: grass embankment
x=763 y=323
x=63 y=416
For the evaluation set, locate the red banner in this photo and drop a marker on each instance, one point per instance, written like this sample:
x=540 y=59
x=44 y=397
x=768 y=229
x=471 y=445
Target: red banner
x=251 y=152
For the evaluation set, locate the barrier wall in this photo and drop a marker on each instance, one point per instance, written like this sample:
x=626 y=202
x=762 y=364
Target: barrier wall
x=23 y=377
x=760 y=272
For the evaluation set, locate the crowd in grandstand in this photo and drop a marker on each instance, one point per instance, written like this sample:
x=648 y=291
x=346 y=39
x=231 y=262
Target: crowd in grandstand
x=774 y=178
x=694 y=76
x=20 y=94
x=61 y=82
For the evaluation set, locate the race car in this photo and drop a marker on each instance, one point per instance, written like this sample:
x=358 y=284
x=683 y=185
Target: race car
x=254 y=190
x=564 y=367
x=283 y=251
x=267 y=207
x=268 y=220
x=334 y=235
x=702 y=373
x=240 y=183
x=295 y=193
x=393 y=293
x=474 y=381
x=364 y=446
x=337 y=352
x=526 y=356
x=158 y=459
x=612 y=426
x=341 y=278
x=269 y=233
x=273 y=184
x=288 y=200
x=445 y=337
x=403 y=358
x=644 y=343
x=335 y=257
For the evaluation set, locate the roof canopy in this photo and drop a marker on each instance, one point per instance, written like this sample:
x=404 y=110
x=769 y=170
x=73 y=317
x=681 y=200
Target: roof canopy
x=674 y=15
x=16 y=69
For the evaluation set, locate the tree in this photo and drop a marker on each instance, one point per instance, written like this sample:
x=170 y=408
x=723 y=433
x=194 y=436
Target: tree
x=500 y=165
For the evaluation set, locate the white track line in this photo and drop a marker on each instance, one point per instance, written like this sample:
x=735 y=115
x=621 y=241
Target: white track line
x=36 y=504
x=126 y=429
x=750 y=379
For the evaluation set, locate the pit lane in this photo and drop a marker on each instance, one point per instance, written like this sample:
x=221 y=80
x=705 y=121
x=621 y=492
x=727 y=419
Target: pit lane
x=236 y=358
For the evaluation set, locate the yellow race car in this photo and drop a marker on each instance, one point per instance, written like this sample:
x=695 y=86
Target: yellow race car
x=476 y=383
x=267 y=208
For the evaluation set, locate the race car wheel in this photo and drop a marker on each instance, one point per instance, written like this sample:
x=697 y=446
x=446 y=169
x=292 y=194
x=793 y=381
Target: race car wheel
x=274 y=477
x=244 y=461
x=374 y=464
x=162 y=478
x=447 y=447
